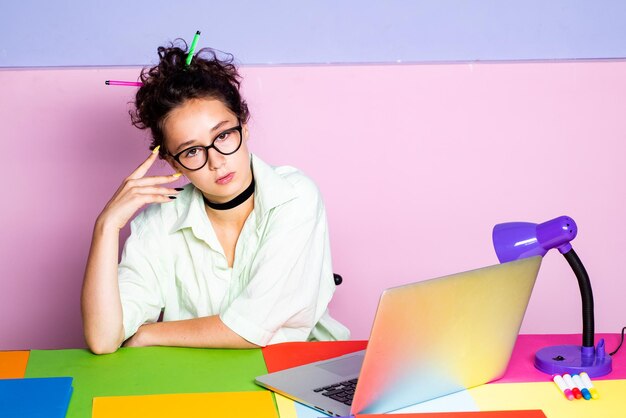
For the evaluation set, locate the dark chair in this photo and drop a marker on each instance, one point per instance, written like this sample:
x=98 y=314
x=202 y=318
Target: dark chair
x=338 y=279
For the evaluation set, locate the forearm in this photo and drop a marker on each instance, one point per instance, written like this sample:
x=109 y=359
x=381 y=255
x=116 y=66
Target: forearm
x=206 y=332
x=100 y=301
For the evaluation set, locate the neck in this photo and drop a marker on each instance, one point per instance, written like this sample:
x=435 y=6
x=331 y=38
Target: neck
x=234 y=216
x=234 y=202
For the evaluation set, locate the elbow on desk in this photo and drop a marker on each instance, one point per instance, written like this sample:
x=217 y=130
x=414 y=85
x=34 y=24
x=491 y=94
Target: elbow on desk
x=102 y=345
x=102 y=348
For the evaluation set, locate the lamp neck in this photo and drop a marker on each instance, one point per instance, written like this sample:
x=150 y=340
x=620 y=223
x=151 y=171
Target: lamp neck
x=586 y=295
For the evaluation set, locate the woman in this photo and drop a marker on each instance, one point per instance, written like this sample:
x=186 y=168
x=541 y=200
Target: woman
x=237 y=258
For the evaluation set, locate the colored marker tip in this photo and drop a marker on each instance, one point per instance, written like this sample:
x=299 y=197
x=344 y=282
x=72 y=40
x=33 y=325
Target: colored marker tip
x=569 y=395
x=197 y=32
x=106 y=82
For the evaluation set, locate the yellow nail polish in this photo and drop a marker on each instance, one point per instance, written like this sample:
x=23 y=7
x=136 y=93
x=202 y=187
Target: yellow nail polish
x=156 y=149
x=177 y=174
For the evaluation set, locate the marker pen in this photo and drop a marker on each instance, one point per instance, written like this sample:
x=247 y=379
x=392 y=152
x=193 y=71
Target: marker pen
x=123 y=83
x=570 y=382
x=587 y=381
x=192 y=48
x=563 y=387
x=579 y=382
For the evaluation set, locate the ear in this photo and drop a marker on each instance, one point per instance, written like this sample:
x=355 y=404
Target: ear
x=245 y=132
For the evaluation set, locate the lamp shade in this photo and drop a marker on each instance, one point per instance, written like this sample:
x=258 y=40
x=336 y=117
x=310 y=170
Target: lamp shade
x=515 y=240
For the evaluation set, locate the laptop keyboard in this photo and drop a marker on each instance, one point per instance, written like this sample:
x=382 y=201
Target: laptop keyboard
x=342 y=392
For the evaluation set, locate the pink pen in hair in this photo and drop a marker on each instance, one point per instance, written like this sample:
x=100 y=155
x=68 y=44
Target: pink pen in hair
x=123 y=83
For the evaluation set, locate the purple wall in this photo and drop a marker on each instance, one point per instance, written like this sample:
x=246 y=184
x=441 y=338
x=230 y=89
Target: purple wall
x=72 y=33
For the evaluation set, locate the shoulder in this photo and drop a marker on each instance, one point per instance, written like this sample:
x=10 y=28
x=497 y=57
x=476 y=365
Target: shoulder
x=285 y=185
x=303 y=185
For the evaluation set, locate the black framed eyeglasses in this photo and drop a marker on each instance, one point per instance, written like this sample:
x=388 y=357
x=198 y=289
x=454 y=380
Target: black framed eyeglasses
x=226 y=143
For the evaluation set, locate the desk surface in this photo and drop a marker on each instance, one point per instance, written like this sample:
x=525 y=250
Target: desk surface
x=163 y=370
x=145 y=371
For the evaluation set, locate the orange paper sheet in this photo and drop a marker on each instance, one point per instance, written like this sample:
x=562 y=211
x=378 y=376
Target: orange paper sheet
x=13 y=364
x=190 y=405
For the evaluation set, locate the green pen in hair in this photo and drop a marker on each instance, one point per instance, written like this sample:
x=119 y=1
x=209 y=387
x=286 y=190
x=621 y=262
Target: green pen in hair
x=192 y=48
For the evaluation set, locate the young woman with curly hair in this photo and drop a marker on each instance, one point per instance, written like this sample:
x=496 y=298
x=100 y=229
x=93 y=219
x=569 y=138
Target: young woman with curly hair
x=237 y=258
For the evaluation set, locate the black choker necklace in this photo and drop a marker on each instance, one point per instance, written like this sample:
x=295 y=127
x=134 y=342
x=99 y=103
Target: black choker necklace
x=238 y=200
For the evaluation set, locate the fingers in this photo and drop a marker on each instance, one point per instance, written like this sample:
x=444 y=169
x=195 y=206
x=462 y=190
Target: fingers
x=123 y=206
x=138 y=195
x=137 y=199
x=158 y=191
x=137 y=191
x=151 y=181
x=145 y=166
x=148 y=199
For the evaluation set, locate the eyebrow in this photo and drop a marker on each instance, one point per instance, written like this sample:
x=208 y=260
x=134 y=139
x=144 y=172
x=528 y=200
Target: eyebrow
x=191 y=141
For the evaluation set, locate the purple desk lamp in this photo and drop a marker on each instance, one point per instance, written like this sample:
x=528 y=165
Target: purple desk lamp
x=517 y=240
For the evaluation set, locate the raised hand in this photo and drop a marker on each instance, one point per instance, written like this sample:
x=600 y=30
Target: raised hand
x=137 y=191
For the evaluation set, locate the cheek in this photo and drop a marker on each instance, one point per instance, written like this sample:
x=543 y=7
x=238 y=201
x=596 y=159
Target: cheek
x=244 y=159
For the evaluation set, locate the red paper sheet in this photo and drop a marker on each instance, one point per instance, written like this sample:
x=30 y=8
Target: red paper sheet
x=283 y=356
x=533 y=413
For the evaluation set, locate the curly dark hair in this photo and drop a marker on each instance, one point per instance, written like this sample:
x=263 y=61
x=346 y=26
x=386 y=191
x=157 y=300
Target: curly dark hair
x=171 y=83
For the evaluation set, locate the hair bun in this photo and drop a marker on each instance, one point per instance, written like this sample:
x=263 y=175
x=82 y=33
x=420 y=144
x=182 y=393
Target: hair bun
x=171 y=82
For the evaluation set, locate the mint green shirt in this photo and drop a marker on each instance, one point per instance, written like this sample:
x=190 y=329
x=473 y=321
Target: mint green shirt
x=281 y=281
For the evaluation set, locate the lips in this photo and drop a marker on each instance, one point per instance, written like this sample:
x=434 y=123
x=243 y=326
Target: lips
x=225 y=179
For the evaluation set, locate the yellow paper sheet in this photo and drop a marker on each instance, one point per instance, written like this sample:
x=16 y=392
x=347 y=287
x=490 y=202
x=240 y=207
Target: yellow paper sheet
x=192 y=405
x=286 y=407
x=546 y=396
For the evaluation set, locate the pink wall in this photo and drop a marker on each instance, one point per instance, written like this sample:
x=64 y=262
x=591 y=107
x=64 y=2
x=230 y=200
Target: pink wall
x=416 y=163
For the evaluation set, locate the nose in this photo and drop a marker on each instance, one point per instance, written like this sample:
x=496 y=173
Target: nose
x=215 y=160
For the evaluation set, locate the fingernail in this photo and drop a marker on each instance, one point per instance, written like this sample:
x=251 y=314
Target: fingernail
x=179 y=189
x=156 y=149
x=177 y=174
x=172 y=197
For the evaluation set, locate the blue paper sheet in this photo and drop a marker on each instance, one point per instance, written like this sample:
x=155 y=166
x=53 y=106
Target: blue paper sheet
x=46 y=397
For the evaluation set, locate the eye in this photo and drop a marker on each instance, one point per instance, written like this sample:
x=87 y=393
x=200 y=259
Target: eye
x=192 y=152
x=224 y=135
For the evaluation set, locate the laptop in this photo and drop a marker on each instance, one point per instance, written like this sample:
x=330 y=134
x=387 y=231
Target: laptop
x=429 y=339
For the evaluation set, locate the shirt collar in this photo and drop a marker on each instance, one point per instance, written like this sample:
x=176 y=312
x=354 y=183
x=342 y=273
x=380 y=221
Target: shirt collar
x=271 y=191
x=191 y=212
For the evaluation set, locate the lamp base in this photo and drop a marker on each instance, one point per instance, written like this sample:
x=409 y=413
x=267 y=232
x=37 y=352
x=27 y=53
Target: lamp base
x=574 y=359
